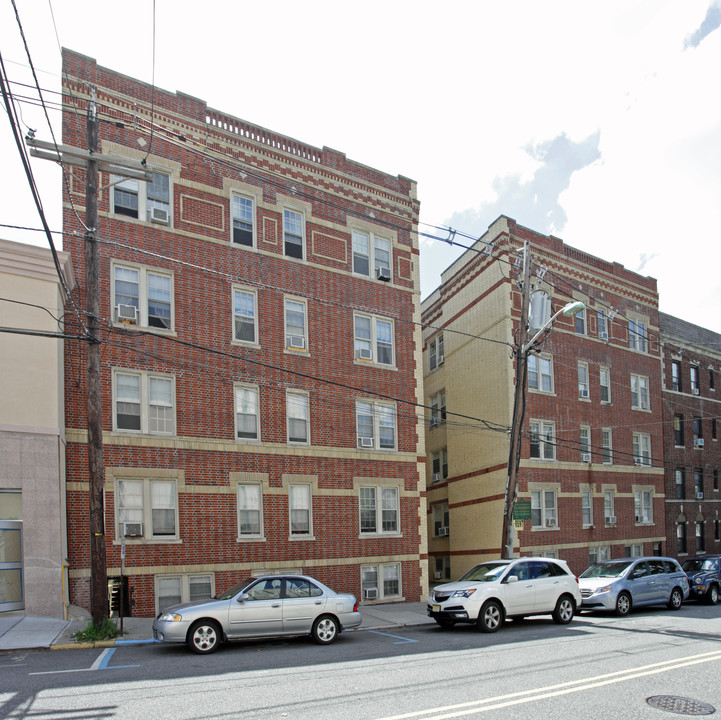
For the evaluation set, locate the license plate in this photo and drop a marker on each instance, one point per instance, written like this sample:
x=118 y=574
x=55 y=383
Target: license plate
x=436 y=608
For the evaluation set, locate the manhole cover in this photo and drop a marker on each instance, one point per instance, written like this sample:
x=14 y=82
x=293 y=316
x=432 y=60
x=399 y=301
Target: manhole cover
x=680 y=705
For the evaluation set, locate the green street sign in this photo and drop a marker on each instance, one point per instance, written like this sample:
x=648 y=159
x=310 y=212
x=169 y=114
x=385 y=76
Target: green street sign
x=522 y=510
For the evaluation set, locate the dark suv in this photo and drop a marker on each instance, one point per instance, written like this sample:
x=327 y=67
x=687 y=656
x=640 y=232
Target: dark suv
x=704 y=577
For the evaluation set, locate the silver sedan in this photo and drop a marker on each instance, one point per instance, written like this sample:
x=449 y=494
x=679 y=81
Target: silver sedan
x=269 y=606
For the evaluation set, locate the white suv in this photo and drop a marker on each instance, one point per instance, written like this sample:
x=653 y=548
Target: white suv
x=498 y=589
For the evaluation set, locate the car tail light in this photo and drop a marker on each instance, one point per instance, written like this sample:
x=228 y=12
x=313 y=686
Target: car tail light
x=355 y=607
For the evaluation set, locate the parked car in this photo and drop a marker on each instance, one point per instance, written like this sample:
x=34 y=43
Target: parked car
x=704 y=577
x=622 y=584
x=493 y=591
x=269 y=606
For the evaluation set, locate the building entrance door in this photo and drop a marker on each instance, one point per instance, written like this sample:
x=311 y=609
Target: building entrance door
x=11 y=565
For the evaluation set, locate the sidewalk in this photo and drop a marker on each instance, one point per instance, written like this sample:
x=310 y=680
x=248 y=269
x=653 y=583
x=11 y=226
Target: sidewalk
x=23 y=632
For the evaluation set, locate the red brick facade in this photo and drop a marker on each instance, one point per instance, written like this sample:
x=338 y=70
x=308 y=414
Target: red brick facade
x=196 y=386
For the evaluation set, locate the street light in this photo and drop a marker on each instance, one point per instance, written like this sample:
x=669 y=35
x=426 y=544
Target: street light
x=519 y=405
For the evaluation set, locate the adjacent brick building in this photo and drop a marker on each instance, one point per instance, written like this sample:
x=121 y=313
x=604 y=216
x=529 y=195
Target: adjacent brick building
x=691 y=409
x=591 y=476
x=261 y=355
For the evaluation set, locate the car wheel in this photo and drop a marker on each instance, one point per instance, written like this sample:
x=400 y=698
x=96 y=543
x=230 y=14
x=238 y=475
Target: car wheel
x=491 y=617
x=563 y=613
x=325 y=630
x=204 y=637
x=676 y=599
x=623 y=604
x=713 y=595
x=446 y=624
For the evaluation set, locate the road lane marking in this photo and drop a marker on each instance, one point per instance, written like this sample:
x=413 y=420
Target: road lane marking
x=100 y=664
x=526 y=696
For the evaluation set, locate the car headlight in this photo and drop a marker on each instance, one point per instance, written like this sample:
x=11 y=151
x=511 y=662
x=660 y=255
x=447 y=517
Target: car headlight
x=464 y=593
x=171 y=617
x=605 y=588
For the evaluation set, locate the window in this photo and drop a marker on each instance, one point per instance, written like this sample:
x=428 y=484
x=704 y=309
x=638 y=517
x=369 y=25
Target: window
x=542 y=437
x=711 y=379
x=250 y=510
x=606 y=446
x=543 y=509
x=245 y=316
x=142 y=296
x=149 y=201
x=540 y=373
x=243 y=220
x=144 y=403
x=246 y=412
x=605 y=382
x=580 y=322
x=439 y=465
x=373 y=339
x=293 y=234
x=587 y=508
x=585 y=444
x=599 y=553
x=636 y=550
x=175 y=589
x=698 y=482
x=440 y=520
x=442 y=567
x=700 y=539
x=643 y=506
x=695 y=387
x=609 y=507
x=681 y=545
x=380 y=582
x=714 y=436
x=438 y=409
x=639 y=392
x=376 y=425
x=371 y=255
x=715 y=478
x=583 y=380
x=678 y=434
x=680 y=482
x=297 y=417
x=603 y=323
x=146 y=509
x=296 y=324
x=716 y=526
x=436 y=353
x=642 y=449
x=299 y=503
x=676 y=376
x=637 y=335
x=697 y=432
x=379 y=510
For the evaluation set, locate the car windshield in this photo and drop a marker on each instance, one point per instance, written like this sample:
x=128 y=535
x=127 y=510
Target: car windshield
x=486 y=572
x=698 y=564
x=607 y=569
x=232 y=592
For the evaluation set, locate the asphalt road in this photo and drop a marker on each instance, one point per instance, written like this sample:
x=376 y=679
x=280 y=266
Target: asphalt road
x=599 y=666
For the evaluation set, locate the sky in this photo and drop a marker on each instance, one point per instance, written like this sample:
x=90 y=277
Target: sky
x=597 y=122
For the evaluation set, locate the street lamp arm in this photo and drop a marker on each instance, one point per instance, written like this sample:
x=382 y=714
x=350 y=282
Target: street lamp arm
x=572 y=308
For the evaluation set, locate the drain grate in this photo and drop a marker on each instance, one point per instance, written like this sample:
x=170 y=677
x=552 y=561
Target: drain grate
x=680 y=705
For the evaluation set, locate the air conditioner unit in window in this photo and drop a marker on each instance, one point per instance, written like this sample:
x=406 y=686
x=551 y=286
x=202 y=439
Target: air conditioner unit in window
x=365 y=442
x=364 y=354
x=603 y=335
x=550 y=522
x=586 y=457
x=441 y=359
x=370 y=593
x=583 y=393
x=383 y=273
x=295 y=341
x=438 y=575
x=132 y=529
x=160 y=216
x=698 y=442
x=699 y=496
x=126 y=313
x=443 y=532
x=436 y=477
x=695 y=391
x=611 y=520
x=637 y=461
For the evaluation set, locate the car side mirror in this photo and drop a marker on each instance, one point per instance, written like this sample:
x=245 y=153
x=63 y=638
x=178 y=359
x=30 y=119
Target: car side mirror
x=242 y=597
x=512 y=578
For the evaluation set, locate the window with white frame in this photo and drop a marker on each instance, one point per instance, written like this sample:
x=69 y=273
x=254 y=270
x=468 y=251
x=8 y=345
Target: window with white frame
x=245 y=315
x=144 y=402
x=297 y=409
x=695 y=387
x=587 y=507
x=381 y=582
x=250 y=510
x=436 y=353
x=583 y=380
x=678 y=430
x=676 y=383
x=438 y=408
x=540 y=373
x=146 y=509
x=440 y=520
x=439 y=465
x=300 y=507
x=585 y=443
x=603 y=323
x=544 y=512
x=643 y=506
x=634 y=550
x=580 y=322
x=607 y=446
x=639 y=392
x=243 y=217
x=609 y=507
x=680 y=483
x=542 y=440
x=598 y=553
x=642 y=449
x=373 y=339
x=604 y=375
x=681 y=545
x=376 y=425
x=246 y=412
x=371 y=255
x=175 y=589
x=293 y=233
x=148 y=201
x=296 y=324
x=142 y=296
x=637 y=335
x=379 y=510
x=442 y=567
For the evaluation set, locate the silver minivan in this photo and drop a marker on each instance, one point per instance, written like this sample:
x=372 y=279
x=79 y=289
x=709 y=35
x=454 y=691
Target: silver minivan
x=619 y=585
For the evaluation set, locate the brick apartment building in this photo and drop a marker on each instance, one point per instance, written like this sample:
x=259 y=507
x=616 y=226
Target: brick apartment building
x=261 y=361
x=691 y=409
x=591 y=476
